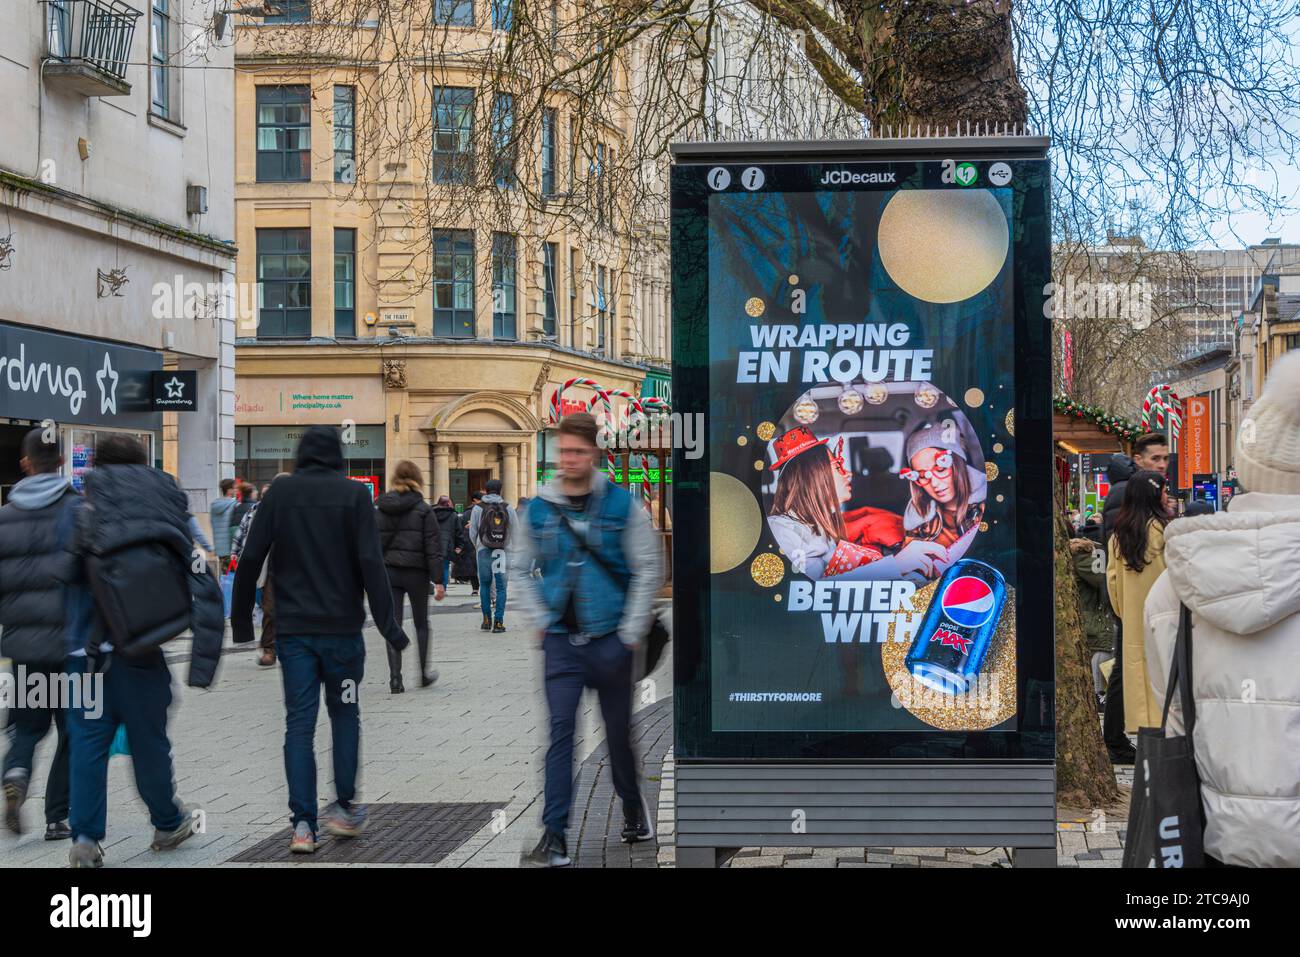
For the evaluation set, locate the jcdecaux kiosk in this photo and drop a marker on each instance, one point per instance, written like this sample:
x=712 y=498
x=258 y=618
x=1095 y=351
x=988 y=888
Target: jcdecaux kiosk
x=863 y=570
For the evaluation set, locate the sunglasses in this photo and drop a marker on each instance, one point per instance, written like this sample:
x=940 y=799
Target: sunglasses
x=942 y=466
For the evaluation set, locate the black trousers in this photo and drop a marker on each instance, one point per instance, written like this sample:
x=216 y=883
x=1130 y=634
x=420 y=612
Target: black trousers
x=412 y=583
x=30 y=726
x=1112 y=722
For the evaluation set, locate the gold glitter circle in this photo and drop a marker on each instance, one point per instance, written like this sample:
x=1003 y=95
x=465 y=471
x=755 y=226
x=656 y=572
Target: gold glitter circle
x=1011 y=421
x=984 y=526
x=741 y=440
x=949 y=712
x=735 y=522
x=758 y=465
x=923 y=233
x=997 y=446
x=754 y=307
x=1002 y=498
x=767 y=570
x=794 y=280
x=974 y=398
x=766 y=430
x=991 y=470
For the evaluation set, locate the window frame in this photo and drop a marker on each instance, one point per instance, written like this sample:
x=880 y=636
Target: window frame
x=502 y=13
x=602 y=305
x=505 y=254
x=302 y=236
x=503 y=145
x=277 y=96
x=350 y=128
x=159 y=69
x=459 y=244
x=453 y=165
x=445 y=12
x=550 y=291
x=550 y=116
x=345 y=318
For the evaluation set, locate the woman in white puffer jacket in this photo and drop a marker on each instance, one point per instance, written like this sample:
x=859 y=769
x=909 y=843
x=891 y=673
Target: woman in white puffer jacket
x=1239 y=573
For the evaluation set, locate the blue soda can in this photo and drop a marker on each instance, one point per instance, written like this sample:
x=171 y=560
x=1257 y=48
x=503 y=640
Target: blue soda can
x=954 y=637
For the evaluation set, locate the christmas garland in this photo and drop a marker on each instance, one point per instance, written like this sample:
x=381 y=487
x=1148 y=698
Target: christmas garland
x=1107 y=422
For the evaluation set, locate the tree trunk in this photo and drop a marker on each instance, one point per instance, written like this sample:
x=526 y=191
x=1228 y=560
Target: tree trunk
x=1084 y=775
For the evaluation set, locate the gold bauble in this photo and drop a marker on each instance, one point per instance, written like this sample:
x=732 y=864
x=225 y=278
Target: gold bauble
x=767 y=570
x=735 y=522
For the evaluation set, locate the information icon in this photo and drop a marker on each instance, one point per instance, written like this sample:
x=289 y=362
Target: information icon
x=719 y=178
x=999 y=174
x=752 y=178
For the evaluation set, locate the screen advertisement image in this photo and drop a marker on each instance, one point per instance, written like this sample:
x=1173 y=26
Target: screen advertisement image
x=865 y=555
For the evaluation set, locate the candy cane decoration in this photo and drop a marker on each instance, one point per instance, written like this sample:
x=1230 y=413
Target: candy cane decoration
x=634 y=404
x=1163 y=401
x=555 y=399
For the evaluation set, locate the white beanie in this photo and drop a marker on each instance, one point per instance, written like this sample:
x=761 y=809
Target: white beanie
x=1268 y=442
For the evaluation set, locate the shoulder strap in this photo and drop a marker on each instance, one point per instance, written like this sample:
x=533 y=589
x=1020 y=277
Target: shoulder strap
x=1180 y=675
x=600 y=559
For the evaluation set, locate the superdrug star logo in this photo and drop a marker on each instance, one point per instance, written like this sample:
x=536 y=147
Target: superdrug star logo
x=174 y=388
x=106 y=378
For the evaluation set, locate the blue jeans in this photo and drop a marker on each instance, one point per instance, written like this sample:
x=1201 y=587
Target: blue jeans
x=306 y=663
x=606 y=665
x=136 y=693
x=446 y=573
x=486 y=578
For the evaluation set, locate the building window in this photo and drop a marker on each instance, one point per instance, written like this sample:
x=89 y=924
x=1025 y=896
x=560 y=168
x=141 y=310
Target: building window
x=283 y=134
x=503 y=287
x=599 y=169
x=453 y=124
x=456 y=13
x=613 y=311
x=573 y=298
x=345 y=283
x=600 y=307
x=345 y=156
x=453 y=283
x=503 y=14
x=549 y=312
x=1291 y=342
x=503 y=147
x=291 y=11
x=59 y=27
x=548 y=151
x=573 y=154
x=283 y=283
x=159 y=52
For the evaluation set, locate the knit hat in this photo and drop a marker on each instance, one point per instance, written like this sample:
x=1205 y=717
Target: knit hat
x=1268 y=442
x=935 y=435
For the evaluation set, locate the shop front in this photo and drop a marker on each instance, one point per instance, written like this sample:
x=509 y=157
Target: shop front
x=83 y=388
x=272 y=413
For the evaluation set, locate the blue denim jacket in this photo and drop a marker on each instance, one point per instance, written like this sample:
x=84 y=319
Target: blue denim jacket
x=566 y=567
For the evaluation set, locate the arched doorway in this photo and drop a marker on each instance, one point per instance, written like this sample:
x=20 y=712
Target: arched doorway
x=480 y=436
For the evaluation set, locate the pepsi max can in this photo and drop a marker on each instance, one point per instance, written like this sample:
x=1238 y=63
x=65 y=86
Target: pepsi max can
x=958 y=627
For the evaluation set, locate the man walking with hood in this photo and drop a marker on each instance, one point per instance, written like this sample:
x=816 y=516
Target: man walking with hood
x=319 y=528
x=492 y=526
x=36 y=526
x=1238 y=572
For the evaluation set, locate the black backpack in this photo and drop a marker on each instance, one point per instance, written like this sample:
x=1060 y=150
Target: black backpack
x=493 y=524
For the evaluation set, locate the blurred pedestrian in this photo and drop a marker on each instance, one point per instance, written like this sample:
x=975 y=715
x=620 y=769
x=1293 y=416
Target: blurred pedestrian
x=1238 y=573
x=265 y=587
x=36 y=528
x=492 y=525
x=222 y=514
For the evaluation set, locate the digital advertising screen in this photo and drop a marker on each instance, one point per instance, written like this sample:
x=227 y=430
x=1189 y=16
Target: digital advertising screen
x=865 y=343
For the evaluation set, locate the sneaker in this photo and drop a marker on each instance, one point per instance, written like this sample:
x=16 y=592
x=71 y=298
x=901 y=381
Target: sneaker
x=487 y=624
x=86 y=853
x=57 y=831
x=636 y=822
x=498 y=627
x=303 y=840
x=170 y=840
x=429 y=677
x=343 y=821
x=550 y=851
x=15 y=788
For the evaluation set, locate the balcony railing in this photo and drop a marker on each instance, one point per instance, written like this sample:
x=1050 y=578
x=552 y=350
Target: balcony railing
x=88 y=44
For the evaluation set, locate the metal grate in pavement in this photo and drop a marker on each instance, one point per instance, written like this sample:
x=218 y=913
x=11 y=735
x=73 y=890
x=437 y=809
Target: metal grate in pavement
x=394 y=834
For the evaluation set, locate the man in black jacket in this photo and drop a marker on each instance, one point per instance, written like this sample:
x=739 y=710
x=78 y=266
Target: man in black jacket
x=132 y=541
x=35 y=534
x=319 y=528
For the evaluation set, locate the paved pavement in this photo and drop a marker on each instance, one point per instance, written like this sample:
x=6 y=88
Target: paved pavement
x=478 y=735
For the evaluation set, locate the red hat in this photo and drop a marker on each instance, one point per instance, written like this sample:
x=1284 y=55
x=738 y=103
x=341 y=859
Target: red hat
x=795 y=442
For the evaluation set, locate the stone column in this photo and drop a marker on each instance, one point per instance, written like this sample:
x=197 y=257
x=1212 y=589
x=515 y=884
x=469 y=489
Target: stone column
x=441 y=473
x=510 y=473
